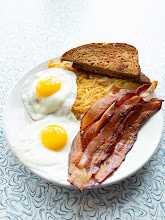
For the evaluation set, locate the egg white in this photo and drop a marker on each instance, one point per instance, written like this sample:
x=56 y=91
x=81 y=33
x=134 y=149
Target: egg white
x=60 y=102
x=33 y=154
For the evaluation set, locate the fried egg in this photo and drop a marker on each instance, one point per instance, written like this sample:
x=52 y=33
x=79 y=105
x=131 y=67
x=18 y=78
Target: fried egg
x=44 y=146
x=49 y=91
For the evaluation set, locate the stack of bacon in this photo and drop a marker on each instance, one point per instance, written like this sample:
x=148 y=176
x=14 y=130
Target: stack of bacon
x=108 y=131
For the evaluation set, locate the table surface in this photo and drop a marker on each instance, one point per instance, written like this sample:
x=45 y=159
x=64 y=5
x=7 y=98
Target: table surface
x=33 y=31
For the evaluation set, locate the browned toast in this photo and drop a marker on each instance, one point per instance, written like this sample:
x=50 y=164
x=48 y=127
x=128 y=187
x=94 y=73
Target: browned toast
x=112 y=59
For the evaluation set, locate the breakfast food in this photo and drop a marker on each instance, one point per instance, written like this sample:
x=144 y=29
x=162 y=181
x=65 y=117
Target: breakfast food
x=49 y=91
x=44 y=145
x=91 y=87
x=87 y=115
x=112 y=59
x=108 y=131
x=127 y=138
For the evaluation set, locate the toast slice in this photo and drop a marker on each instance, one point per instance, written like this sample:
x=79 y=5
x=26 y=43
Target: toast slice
x=112 y=59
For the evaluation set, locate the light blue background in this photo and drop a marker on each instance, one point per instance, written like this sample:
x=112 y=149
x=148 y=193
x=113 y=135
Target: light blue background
x=33 y=31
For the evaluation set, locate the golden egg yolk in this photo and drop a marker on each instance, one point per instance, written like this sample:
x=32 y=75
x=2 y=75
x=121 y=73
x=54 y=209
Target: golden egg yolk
x=48 y=86
x=53 y=137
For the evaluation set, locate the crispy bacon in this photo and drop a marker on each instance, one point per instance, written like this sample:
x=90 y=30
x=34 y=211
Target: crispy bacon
x=107 y=135
x=78 y=178
x=146 y=90
x=101 y=105
x=92 y=130
x=75 y=153
x=77 y=147
x=102 y=145
x=108 y=130
x=127 y=138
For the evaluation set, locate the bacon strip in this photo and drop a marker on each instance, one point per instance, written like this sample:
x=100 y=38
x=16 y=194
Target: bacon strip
x=79 y=145
x=108 y=133
x=103 y=143
x=91 y=131
x=103 y=135
x=146 y=90
x=127 y=138
x=78 y=178
x=75 y=153
x=101 y=105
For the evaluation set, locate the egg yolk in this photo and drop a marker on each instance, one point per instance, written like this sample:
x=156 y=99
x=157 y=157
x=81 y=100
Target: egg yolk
x=48 y=86
x=53 y=137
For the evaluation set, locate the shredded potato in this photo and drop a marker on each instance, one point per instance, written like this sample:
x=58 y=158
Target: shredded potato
x=90 y=87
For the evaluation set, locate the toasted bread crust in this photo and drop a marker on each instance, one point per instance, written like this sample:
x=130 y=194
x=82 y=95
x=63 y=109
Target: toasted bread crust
x=117 y=60
x=143 y=79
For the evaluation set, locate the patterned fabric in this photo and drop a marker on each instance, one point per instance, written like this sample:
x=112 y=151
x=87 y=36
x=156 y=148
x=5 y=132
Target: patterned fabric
x=39 y=30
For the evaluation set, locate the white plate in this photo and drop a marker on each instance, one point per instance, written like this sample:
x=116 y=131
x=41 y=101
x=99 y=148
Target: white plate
x=16 y=118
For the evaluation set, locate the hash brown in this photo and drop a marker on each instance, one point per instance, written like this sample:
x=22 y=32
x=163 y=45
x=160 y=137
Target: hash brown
x=90 y=87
